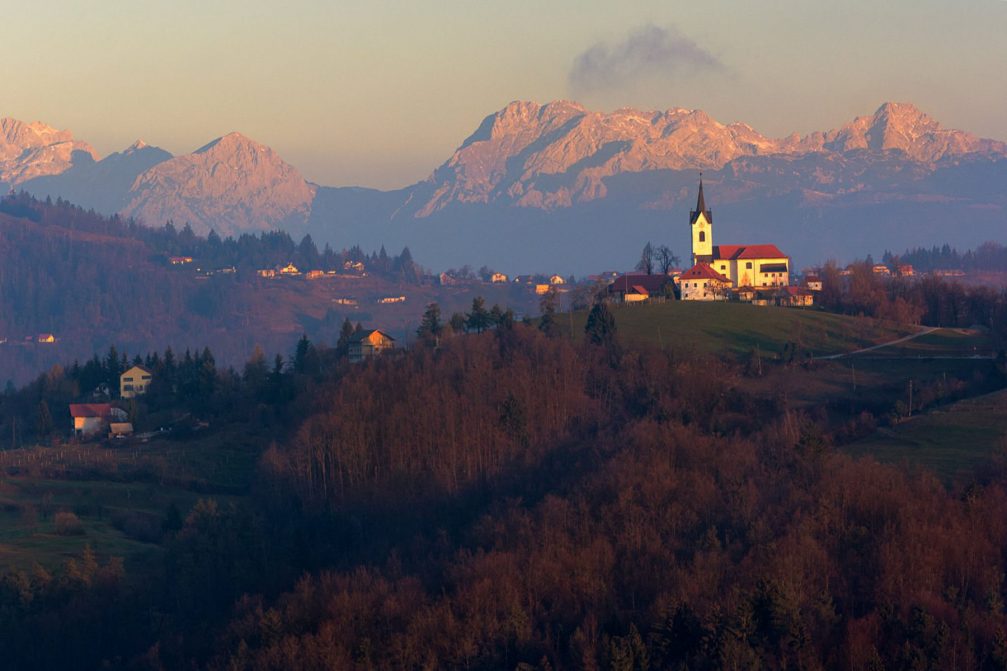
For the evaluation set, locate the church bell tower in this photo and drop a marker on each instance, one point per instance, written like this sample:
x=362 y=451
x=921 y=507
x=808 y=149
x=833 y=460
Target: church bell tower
x=701 y=223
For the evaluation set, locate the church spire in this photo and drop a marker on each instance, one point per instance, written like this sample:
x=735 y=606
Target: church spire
x=701 y=202
x=700 y=206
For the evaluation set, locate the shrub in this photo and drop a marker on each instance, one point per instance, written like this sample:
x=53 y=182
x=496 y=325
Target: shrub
x=68 y=524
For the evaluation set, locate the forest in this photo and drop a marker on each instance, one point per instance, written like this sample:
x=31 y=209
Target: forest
x=95 y=281
x=512 y=498
x=989 y=256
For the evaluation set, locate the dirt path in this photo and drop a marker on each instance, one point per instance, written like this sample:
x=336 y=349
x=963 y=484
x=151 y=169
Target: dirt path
x=925 y=331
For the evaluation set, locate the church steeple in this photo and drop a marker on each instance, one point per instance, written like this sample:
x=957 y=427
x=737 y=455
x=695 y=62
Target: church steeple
x=700 y=206
x=701 y=223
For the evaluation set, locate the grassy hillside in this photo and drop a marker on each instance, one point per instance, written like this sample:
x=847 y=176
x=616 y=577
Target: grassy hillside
x=740 y=328
x=948 y=440
x=120 y=496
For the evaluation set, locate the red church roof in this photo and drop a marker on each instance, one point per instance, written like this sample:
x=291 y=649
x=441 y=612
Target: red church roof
x=703 y=271
x=748 y=252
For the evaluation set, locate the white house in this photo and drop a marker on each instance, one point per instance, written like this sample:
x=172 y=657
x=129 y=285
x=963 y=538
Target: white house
x=703 y=283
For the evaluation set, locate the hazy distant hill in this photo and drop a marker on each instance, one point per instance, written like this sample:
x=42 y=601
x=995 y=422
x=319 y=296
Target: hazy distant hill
x=559 y=187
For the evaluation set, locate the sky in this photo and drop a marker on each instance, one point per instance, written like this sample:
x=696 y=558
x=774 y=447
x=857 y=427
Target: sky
x=380 y=92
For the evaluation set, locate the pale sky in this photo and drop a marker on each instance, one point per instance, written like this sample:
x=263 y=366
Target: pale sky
x=380 y=92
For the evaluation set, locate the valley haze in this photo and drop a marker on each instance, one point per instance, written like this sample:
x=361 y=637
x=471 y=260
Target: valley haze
x=561 y=188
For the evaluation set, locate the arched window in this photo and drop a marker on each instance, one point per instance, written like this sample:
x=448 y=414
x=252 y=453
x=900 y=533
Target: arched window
x=702 y=236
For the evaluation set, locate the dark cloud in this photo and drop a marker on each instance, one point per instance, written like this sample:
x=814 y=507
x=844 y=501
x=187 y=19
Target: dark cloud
x=650 y=51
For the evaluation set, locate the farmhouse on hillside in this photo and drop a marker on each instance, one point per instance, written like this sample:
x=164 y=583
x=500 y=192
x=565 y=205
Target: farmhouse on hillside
x=369 y=342
x=92 y=419
x=728 y=266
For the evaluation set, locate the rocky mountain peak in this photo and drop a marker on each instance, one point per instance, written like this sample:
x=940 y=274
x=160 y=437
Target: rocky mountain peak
x=29 y=150
x=557 y=154
x=905 y=128
x=232 y=184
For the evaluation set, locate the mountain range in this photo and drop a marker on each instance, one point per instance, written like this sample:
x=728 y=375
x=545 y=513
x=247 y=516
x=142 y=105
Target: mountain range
x=560 y=187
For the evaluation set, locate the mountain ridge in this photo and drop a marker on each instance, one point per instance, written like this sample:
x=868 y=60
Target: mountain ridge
x=532 y=175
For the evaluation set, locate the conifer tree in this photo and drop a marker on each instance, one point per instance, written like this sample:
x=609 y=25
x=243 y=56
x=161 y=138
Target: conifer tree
x=479 y=318
x=600 y=328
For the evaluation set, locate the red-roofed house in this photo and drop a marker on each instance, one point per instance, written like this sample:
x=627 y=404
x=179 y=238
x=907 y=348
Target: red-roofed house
x=91 y=419
x=703 y=283
x=635 y=287
x=743 y=265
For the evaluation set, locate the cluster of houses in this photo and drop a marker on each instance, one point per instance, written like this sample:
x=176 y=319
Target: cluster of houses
x=350 y=269
x=540 y=284
x=39 y=339
x=92 y=420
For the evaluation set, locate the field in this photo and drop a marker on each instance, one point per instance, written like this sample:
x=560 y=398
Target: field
x=941 y=365
x=950 y=440
x=120 y=495
x=741 y=328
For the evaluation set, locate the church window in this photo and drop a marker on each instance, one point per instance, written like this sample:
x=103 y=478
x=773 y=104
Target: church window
x=702 y=236
x=748 y=266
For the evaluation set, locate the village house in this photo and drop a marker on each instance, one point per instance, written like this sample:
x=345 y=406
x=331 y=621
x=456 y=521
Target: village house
x=637 y=287
x=179 y=260
x=881 y=269
x=46 y=338
x=367 y=343
x=92 y=419
x=756 y=266
x=268 y=273
x=498 y=278
x=793 y=297
x=134 y=382
x=392 y=299
x=556 y=279
x=314 y=274
x=355 y=266
x=813 y=282
x=290 y=269
x=703 y=283
x=906 y=270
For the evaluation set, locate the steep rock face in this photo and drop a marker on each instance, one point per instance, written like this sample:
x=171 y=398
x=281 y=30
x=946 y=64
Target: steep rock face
x=103 y=185
x=232 y=185
x=29 y=150
x=559 y=154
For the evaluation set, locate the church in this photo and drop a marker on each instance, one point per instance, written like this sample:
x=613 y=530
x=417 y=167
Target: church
x=718 y=268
